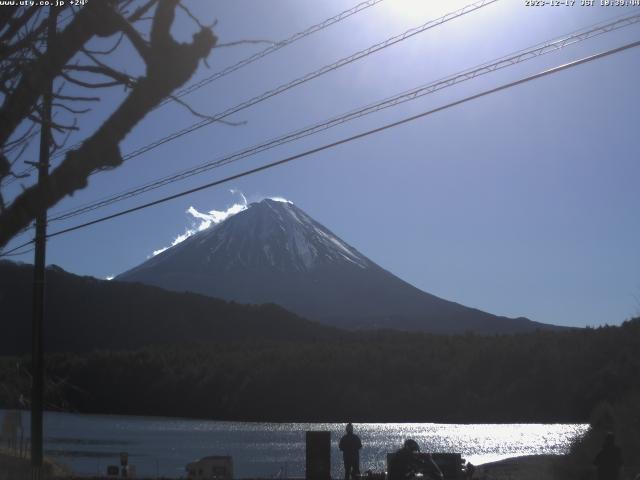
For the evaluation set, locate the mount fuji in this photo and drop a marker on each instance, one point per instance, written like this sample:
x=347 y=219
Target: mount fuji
x=273 y=252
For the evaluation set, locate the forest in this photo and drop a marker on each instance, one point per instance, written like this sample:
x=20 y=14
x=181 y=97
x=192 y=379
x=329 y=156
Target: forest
x=86 y=314
x=546 y=376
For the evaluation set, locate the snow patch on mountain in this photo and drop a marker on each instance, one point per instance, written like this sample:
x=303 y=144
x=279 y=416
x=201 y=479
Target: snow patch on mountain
x=280 y=199
x=272 y=233
x=309 y=243
x=207 y=219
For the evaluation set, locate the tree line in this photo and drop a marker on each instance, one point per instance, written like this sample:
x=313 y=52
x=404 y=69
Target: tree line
x=546 y=376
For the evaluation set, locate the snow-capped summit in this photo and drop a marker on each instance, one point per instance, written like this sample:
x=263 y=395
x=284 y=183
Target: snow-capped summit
x=273 y=252
x=279 y=235
x=271 y=234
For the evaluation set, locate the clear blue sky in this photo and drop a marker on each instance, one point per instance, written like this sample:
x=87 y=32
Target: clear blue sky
x=523 y=203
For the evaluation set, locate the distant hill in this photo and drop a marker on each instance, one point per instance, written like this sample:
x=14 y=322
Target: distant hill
x=275 y=252
x=83 y=314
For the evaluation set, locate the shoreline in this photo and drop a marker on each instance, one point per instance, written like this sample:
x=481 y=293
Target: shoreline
x=285 y=422
x=526 y=467
x=494 y=465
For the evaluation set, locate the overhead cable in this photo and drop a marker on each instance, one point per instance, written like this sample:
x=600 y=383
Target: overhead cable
x=274 y=48
x=343 y=141
x=306 y=78
x=248 y=60
x=471 y=73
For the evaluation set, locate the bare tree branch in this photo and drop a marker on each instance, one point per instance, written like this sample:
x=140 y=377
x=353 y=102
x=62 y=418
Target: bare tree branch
x=109 y=50
x=71 y=110
x=59 y=145
x=10 y=49
x=204 y=116
x=194 y=18
x=75 y=98
x=82 y=83
x=139 y=43
x=18 y=23
x=118 y=77
x=169 y=65
x=17 y=157
x=140 y=12
x=88 y=22
x=9 y=146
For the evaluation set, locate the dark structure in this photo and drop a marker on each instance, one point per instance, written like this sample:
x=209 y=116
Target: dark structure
x=318 y=458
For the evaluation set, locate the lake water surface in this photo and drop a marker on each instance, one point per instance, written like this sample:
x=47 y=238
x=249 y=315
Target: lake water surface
x=156 y=445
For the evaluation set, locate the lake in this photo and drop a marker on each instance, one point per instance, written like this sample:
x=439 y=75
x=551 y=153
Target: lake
x=163 y=446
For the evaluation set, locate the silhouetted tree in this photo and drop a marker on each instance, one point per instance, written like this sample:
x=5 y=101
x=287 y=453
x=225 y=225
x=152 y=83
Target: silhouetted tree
x=27 y=64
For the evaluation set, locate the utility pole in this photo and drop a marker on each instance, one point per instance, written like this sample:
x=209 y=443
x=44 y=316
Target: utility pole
x=37 y=357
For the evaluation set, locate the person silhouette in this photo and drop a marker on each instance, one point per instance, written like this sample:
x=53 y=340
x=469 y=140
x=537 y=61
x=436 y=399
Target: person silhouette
x=350 y=446
x=609 y=459
x=408 y=461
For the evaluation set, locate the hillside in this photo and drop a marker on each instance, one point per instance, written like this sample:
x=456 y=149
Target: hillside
x=84 y=313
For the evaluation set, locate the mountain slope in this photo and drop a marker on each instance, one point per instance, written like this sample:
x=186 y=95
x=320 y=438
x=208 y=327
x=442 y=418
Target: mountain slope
x=274 y=252
x=83 y=314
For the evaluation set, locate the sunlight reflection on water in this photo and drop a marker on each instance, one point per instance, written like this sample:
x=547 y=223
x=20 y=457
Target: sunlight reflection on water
x=88 y=443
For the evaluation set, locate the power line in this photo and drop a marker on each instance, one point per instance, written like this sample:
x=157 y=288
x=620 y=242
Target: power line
x=488 y=67
x=358 y=136
x=308 y=77
x=274 y=48
x=18 y=253
x=327 y=68
x=258 y=55
x=298 y=81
